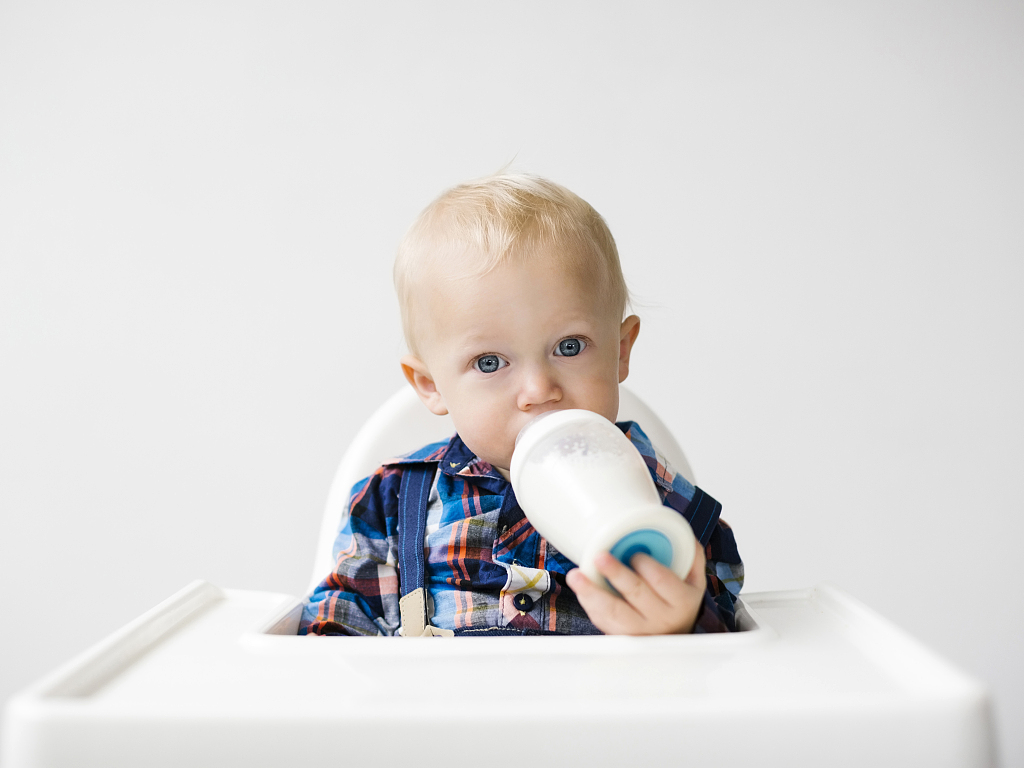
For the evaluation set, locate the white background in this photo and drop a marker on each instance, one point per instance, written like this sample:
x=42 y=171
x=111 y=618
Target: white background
x=819 y=207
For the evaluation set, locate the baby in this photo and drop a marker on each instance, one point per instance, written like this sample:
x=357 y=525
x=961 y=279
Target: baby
x=512 y=303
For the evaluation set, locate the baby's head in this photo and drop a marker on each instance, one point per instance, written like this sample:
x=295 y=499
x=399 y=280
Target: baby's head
x=512 y=303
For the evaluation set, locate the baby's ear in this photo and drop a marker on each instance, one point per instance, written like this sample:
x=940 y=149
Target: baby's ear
x=417 y=374
x=627 y=335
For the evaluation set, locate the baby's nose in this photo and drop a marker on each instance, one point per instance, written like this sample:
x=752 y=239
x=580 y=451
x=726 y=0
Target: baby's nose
x=539 y=386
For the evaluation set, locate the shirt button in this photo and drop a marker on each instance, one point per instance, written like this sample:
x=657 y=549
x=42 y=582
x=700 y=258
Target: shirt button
x=522 y=602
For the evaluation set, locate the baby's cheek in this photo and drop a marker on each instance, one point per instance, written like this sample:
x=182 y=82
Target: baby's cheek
x=604 y=399
x=500 y=442
x=482 y=434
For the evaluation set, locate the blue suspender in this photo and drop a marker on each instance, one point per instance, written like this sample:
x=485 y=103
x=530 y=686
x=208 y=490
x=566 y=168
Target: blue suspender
x=413 y=500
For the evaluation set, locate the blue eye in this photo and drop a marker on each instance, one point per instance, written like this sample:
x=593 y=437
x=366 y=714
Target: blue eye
x=570 y=347
x=489 y=363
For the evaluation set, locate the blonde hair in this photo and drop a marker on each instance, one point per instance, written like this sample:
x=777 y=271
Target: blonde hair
x=501 y=219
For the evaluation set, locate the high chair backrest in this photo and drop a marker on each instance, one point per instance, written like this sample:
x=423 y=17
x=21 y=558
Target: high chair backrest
x=403 y=424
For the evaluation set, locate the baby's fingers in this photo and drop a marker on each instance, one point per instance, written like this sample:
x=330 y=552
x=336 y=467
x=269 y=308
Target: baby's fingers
x=661 y=581
x=631 y=584
x=674 y=602
x=611 y=614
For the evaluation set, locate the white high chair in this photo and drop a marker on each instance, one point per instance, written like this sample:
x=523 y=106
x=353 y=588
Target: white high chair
x=217 y=677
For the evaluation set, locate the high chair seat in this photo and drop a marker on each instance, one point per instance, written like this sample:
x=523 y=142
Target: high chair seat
x=218 y=677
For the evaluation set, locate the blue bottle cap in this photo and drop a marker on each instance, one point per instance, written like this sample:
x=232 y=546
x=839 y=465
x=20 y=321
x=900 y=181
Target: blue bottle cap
x=646 y=540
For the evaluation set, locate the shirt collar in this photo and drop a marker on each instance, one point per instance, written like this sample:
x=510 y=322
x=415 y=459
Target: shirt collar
x=453 y=458
x=459 y=460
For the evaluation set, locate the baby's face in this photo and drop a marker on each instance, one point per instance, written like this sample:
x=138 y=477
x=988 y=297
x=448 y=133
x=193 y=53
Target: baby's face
x=500 y=349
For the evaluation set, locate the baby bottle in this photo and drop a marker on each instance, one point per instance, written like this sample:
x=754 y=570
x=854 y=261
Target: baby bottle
x=585 y=487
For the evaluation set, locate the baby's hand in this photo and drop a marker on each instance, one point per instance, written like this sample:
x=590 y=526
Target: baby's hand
x=655 y=601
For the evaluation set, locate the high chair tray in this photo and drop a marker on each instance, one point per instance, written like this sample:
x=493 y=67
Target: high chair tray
x=217 y=677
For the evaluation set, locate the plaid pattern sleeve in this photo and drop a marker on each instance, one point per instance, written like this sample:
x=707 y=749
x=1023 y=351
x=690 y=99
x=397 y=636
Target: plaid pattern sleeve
x=724 y=569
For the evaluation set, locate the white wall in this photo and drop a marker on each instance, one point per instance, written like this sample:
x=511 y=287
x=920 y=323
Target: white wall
x=818 y=205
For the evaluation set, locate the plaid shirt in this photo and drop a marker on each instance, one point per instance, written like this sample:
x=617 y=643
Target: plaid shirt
x=486 y=565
